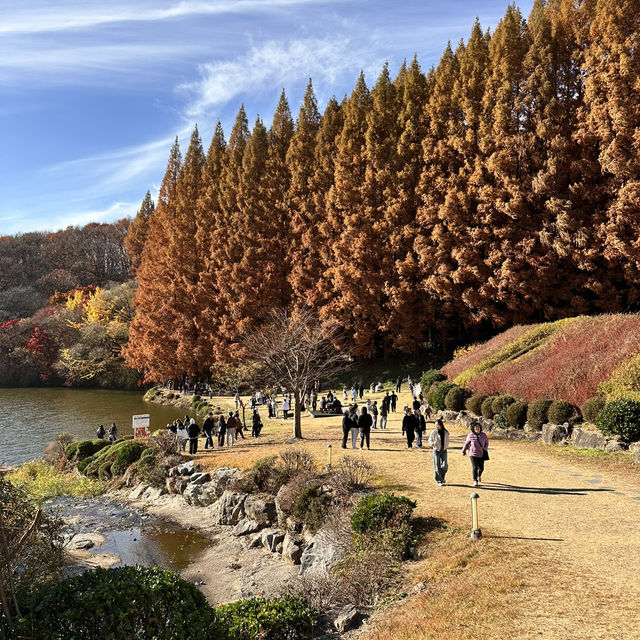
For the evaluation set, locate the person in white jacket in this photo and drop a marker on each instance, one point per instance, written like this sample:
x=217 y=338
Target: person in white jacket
x=439 y=442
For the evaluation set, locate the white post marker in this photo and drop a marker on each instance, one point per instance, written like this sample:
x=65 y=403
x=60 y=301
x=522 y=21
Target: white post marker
x=476 y=534
x=140 y=425
x=328 y=456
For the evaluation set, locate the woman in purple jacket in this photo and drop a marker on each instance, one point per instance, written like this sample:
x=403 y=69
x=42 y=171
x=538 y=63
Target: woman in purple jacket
x=477 y=444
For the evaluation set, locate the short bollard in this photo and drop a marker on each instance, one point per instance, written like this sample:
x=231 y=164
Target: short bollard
x=476 y=534
x=328 y=456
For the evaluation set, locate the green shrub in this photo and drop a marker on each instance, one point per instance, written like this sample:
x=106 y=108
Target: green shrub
x=501 y=419
x=275 y=619
x=82 y=449
x=454 y=400
x=561 y=412
x=620 y=418
x=120 y=603
x=500 y=403
x=126 y=455
x=104 y=472
x=474 y=403
x=486 y=409
x=70 y=450
x=311 y=507
x=429 y=377
x=265 y=475
x=517 y=415
x=592 y=407
x=537 y=413
x=381 y=511
x=437 y=394
x=83 y=464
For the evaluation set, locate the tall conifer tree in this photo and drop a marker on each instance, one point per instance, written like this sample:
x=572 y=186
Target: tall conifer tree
x=136 y=236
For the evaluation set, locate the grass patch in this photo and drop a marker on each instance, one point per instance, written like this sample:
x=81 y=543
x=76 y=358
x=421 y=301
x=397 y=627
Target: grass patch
x=43 y=482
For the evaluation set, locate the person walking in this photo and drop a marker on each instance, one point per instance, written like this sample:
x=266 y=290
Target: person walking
x=353 y=414
x=208 y=427
x=256 y=424
x=221 y=430
x=374 y=413
x=364 y=426
x=113 y=432
x=394 y=401
x=439 y=442
x=398 y=385
x=477 y=444
x=409 y=426
x=232 y=423
x=194 y=431
x=239 y=427
x=384 y=411
x=183 y=435
x=346 y=427
x=286 y=407
x=101 y=432
x=421 y=426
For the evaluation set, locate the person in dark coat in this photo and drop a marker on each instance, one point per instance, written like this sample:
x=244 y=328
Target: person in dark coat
x=113 y=432
x=208 y=427
x=364 y=425
x=194 y=431
x=256 y=424
x=100 y=432
x=346 y=427
x=394 y=401
x=409 y=426
x=221 y=430
x=421 y=426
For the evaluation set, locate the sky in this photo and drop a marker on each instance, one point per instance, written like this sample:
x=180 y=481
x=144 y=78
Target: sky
x=93 y=93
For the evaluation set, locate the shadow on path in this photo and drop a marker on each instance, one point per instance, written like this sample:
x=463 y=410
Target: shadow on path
x=525 y=538
x=552 y=491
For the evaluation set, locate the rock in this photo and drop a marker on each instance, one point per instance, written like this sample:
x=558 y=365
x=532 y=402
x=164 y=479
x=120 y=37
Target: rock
x=82 y=543
x=187 y=468
x=181 y=484
x=153 y=493
x=321 y=554
x=200 y=478
x=261 y=510
x=636 y=456
x=634 y=446
x=345 y=618
x=279 y=547
x=583 y=439
x=255 y=541
x=292 y=548
x=554 y=434
x=229 y=508
x=245 y=527
x=138 y=491
x=222 y=477
x=192 y=495
x=614 y=445
x=464 y=419
x=271 y=538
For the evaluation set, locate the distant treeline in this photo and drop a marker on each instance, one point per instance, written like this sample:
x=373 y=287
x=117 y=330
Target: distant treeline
x=34 y=266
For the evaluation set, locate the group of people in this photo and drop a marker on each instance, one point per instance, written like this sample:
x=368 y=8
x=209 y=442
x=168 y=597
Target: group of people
x=112 y=433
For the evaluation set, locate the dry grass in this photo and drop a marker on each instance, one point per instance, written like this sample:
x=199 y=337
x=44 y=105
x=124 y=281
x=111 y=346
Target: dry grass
x=561 y=548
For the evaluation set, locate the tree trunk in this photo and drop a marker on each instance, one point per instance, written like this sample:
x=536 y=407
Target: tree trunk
x=297 y=426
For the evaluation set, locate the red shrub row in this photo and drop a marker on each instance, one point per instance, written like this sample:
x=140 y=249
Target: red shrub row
x=571 y=365
x=457 y=366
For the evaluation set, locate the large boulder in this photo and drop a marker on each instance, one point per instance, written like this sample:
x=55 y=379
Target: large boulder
x=554 y=433
x=614 y=445
x=271 y=538
x=200 y=478
x=321 y=554
x=345 y=618
x=583 y=439
x=261 y=509
x=292 y=548
x=245 y=527
x=229 y=508
x=222 y=478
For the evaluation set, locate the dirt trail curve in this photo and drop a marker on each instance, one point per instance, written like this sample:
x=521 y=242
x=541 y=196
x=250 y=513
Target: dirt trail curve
x=583 y=528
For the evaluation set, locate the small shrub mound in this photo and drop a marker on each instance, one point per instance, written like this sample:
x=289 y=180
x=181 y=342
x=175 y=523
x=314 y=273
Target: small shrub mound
x=537 y=414
x=474 y=403
x=486 y=409
x=381 y=511
x=620 y=418
x=77 y=451
x=275 y=619
x=500 y=403
x=118 y=603
x=454 y=400
x=311 y=507
x=437 y=394
x=561 y=412
x=429 y=377
x=352 y=474
x=127 y=455
x=592 y=407
x=517 y=415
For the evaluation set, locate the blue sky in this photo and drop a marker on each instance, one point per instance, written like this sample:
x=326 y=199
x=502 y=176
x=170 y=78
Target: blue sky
x=92 y=93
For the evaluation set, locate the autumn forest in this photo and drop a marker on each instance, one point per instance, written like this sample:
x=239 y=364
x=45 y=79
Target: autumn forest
x=500 y=187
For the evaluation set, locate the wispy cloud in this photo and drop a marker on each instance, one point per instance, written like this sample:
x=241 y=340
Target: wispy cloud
x=270 y=66
x=49 y=17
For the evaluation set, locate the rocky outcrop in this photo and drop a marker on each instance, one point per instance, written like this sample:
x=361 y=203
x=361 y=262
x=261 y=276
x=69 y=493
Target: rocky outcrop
x=292 y=548
x=555 y=434
x=246 y=527
x=321 y=554
x=345 y=618
x=199 y=495
x=583 y=439
x=229 y=508
x=261 y=509
x=271 y=538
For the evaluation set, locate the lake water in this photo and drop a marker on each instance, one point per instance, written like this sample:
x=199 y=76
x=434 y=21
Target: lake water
x=31 y=418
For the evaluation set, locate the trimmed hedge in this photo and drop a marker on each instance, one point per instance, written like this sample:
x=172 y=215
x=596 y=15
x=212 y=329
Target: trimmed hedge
x=454 y=400
x=437 y=394
x=429 y=377
x=592 y=407
x=500 y=403
x=561 y=412
x=486 y=409
x=474 y=403
x=517 y=415
x=537 y=413
x=620 y=418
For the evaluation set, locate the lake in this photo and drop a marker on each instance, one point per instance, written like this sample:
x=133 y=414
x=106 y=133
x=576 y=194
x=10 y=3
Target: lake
x=31 y=418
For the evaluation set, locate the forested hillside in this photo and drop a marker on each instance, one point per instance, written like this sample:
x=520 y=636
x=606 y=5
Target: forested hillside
x=501 y=187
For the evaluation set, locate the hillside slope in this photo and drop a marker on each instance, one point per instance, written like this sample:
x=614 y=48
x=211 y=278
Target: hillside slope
x=572 y=359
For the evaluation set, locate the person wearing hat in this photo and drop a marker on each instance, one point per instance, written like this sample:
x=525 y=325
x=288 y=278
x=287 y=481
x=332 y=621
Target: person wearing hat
x=477 y=444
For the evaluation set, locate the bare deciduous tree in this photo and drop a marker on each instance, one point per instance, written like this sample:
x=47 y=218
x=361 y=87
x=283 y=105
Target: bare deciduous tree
x=294 y=351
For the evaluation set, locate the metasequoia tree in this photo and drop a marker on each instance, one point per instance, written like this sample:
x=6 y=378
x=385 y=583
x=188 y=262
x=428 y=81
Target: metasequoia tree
x=137 y=232
x=294 y=351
